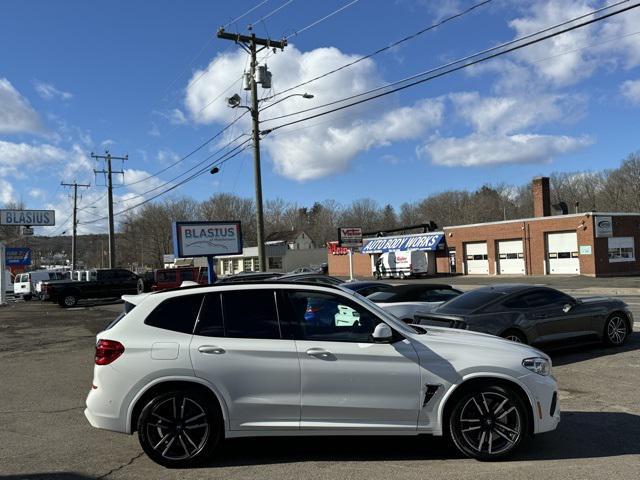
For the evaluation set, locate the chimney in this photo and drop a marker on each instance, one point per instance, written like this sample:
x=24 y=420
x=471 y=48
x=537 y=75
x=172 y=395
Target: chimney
x=541 y=197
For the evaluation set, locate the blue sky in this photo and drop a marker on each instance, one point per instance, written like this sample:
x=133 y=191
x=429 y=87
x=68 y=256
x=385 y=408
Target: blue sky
x=81 y=76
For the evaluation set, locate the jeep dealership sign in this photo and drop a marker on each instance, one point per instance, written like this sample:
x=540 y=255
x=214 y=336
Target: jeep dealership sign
x=30 y=218
x=206 y=239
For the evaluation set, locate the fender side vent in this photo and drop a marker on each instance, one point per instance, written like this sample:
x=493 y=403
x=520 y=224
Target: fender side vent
x=429 y=393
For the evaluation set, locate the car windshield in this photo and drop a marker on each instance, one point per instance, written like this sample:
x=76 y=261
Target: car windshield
x=470 y=301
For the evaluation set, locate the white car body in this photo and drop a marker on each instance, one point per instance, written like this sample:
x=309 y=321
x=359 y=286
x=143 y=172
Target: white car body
x=288 y=387
x=403 y=264
x=25 y=284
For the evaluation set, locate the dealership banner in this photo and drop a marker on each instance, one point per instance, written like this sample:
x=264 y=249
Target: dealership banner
x=206 y=239
x=17 y=257
x=425 y=242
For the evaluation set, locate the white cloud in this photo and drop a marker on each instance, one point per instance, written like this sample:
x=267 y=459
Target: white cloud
x=508 y=114
x=49 y=92
x=107 y=143
x=6 y=192
x=631 y=91
x=568 y=58
x=37 y=193
x=482 y=150
x=175 y=116
x=166 y=157
x=22 y=159
x=16 y=114
x=142 y=180
x=318 y=148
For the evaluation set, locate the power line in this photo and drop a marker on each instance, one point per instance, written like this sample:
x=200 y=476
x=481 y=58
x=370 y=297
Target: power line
x=219 y=161
x=451 y=64
x=245 y=13
x=192 y=152
x=388 y=47
x=189 y=170
x=320 y=20
x=272 y=12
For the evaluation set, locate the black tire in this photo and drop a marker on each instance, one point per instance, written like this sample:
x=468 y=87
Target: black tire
x=68 y=300
x=616 y=330
x=27 y=298
x=377 y=275
x=140 y=286
x=171 y=439
x=488 y=423
x=514 y=336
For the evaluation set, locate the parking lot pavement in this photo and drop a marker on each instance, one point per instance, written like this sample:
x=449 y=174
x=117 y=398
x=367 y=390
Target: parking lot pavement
x=46 y=358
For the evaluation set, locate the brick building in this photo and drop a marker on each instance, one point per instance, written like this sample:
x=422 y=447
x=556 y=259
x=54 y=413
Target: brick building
x=589 y=243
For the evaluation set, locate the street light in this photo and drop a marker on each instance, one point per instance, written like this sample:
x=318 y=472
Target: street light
x=234 y=102
x=303 y=95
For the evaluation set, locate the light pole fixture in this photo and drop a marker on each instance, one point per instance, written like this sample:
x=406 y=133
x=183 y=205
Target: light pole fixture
x=303 y=95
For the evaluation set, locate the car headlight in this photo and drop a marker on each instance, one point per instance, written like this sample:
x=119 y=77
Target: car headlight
x=538 y=365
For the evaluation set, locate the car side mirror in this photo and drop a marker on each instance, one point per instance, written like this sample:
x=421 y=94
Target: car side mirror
x=382 y=333
x=566 y=308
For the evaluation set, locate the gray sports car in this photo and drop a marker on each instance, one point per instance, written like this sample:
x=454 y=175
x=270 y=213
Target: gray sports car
x=535 y=315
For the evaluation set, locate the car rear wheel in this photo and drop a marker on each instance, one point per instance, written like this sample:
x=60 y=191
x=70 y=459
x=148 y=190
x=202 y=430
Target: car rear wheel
x=140 y=286
x=488 y=423
x=179 y=429
x=68 y=300
x=26 y=298
x=616 y=330
x=514 y=336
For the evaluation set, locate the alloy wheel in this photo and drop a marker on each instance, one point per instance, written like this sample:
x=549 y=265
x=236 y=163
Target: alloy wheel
x=616 y=330
x=70 y=300
x=513 y=338
x=178 y=428
x=490 y=423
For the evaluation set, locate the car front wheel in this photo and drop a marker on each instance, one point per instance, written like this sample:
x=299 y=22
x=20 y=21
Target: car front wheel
x=488 y=423
x=68 y=300
x=616 y=330
x=179 y=429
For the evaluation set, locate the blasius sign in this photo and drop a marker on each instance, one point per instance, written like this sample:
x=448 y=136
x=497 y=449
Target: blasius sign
x=205 y=239
x=30 y=218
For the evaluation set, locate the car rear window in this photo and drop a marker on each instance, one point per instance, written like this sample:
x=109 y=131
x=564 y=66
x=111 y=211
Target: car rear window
x=382 y=296
x=177 y=314
x=470 y=301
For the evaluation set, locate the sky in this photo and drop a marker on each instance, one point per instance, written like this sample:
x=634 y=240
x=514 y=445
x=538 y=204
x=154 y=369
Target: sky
x=150 y=82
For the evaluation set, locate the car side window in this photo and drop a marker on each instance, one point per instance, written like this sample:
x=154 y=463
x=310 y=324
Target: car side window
x=186 y=274
x=177 y=314
x=210 y=321
x=250 y=314
x=537 y=299
x=326 y=317
x=439 y=295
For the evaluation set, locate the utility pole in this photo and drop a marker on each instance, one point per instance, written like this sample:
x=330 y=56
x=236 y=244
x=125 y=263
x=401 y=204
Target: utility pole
x=250 y=43
x=75 y=186
x=112 y=236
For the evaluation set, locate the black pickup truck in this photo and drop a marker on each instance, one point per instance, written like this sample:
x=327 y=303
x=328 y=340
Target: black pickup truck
x=109 y=283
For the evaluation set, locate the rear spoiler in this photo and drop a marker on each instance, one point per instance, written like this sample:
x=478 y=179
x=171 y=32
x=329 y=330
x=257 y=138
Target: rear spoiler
x=135 y=299
x=440 y=320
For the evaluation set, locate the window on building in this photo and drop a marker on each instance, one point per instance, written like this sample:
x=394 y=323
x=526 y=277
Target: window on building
x=246 y=265
x=621 y=249
x=275 y=263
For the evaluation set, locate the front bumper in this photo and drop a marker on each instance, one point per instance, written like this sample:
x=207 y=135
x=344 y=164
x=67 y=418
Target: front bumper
x=546 y=402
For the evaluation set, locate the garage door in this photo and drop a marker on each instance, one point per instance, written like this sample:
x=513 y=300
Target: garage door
x=562 y=253
x=510 y=257
x=477 y=258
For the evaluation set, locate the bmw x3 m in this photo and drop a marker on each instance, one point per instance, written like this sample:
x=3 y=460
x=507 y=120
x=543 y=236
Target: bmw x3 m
x=188 y=368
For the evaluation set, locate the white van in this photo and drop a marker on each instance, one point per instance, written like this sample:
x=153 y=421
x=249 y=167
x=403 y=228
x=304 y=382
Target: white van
x=25 y=283
x=402 y=264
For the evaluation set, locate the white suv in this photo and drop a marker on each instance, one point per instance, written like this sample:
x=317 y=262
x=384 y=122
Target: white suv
x=187 y=368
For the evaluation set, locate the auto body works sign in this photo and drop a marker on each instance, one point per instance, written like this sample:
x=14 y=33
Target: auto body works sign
x=205 y=239
x=426 y=242
x=31 y=218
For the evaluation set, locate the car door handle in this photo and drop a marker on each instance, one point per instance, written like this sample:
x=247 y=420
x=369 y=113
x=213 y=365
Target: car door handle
x=211 y=350
x=318 y=352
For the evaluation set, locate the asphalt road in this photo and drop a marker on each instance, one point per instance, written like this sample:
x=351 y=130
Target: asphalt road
x=46 y=362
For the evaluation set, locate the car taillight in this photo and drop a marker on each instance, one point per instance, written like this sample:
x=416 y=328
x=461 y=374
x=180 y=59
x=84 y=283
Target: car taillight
x=107 y=351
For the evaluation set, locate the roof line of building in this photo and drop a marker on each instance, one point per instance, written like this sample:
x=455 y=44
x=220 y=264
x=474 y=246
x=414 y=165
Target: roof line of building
x=550 y=217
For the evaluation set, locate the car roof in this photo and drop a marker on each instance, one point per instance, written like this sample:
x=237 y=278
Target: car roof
x=273 y=283
x=365 y=283
x=420 y=287
x=508 y=288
